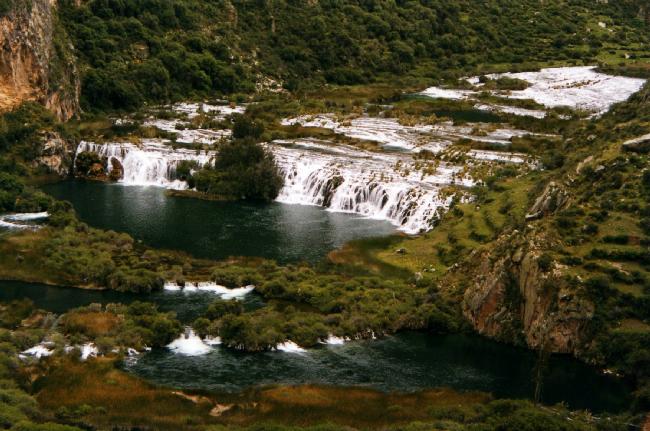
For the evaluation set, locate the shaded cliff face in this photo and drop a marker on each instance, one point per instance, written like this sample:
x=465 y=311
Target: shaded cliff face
x=516 y=295
x=514 y=291
x=36 y=62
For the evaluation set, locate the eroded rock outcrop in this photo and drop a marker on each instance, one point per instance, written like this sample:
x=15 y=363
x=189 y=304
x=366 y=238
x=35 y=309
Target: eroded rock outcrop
x=554 y=198
x=638 y=145
x=36 y=60
x=56 y=154
x=516 y=293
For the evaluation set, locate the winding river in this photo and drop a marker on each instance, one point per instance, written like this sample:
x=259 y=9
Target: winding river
x=405 y=362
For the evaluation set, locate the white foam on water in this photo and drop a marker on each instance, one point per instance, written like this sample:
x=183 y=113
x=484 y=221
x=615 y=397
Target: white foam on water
x=208 y=286
x=579 y=87
x=384 y=186
x=447 y=93
x=499 y=156
x=522 y=112
x=390 y=185
x=13 y=221
x=391 y=134
x=88 y=350
x=212 y=341
x=385 y=131
x=38 y=351
x=333 y=340
x=26 y=216
x=152 y=163
x=192 y=109
x=290 y=347
x=576 y=87
x=186 y=135
x=189 y=344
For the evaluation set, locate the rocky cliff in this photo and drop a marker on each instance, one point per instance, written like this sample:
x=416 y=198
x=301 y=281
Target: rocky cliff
x=36 y=61
x=515 y=293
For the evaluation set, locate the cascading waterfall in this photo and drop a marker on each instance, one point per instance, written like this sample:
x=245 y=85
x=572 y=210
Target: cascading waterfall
x=378 y=185
x=385 y=186
x=152 y=163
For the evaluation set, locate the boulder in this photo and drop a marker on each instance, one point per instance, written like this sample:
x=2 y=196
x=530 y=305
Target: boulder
x=638 y=145
x=117 y=170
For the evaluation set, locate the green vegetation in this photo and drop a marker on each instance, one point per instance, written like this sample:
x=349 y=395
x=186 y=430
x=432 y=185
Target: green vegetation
x=20 y=145
x=306 y=306
x=96 y=394
x=135 y=52
x=137 y=325
x=348 y=58
x=243 y=169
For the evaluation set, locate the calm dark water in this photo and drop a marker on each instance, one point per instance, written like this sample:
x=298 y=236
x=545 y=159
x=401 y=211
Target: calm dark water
x=405 y=362
x=187 y=305
x=286 y=233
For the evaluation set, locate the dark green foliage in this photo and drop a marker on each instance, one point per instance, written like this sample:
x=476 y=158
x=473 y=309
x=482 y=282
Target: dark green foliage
x=13 y=313
x=305 y=306
x=84 y=161
x=130 y=59
x=220 y=307
x=135 y=280
x=5 y=7
x=10 y=188
x=243 y=169
x=545 y=262
x=184 y=169
x=234 y=276
x=155 y=329
x=244 y=127
x=159 y=50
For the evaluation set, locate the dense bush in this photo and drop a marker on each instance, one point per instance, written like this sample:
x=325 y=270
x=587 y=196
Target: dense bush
x=85 y=161
x=159 y=50
x=307 y=305
x=243 y=169
x=137 y=325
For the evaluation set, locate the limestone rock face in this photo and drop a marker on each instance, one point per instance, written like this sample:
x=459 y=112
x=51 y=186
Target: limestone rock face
x=515 y=295
x=56 y=155
x=117 y=170
x=638 y=145
x=552 y=199
x=36 y=61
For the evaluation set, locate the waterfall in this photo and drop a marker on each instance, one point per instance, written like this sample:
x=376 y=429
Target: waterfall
x=385 y=186
x=152 y=163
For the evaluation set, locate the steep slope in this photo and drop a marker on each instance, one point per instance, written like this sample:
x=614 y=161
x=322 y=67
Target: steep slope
x=36 y=60
x=134 y=52
x=574 y=277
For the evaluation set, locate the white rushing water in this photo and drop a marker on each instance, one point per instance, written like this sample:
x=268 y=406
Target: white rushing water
x=152 y=163
x=208 y=286
x=21 y=220
x=386 y=186
x=578 y=88
x=186 y=132
x=389 y=133
x=290 y=347
x=189 y=344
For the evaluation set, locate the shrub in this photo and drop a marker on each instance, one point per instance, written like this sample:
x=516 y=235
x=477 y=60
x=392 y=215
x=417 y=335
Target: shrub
x=545 y=262
x=243 y=169
x=244 y=127
x=84 y=162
